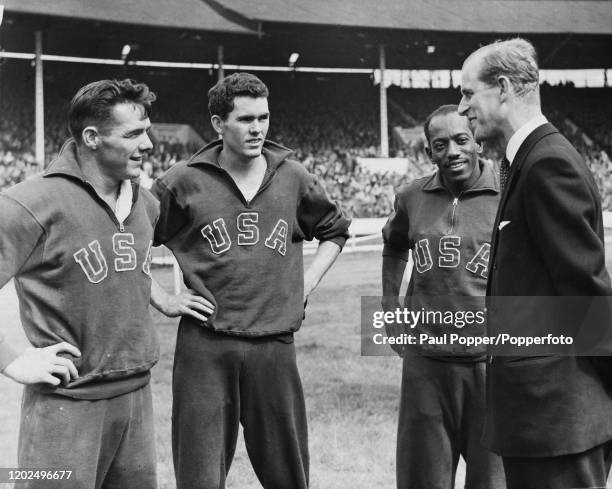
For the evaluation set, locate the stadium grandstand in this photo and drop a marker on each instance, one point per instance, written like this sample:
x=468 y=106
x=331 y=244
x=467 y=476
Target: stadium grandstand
x=335 y=101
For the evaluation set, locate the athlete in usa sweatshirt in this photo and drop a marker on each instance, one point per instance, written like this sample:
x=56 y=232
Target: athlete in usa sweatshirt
x=223 y=242
x=74 y=263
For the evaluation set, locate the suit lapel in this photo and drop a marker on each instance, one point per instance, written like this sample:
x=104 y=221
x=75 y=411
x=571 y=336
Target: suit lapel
x=515 y=169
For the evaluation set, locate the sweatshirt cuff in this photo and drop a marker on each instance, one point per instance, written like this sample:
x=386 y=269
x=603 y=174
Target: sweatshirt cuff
x=339 y=240
x=7 y=354
x=389 y=250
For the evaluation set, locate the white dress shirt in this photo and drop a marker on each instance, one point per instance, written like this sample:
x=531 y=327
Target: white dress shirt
x=521 y=134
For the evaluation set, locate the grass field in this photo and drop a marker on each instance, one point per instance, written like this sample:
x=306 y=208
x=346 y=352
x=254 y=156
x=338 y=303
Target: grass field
x=352 y=401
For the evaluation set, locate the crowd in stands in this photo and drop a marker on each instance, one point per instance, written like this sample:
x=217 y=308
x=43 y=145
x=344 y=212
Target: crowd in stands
x=17 y=160
x=583 y=116
x=329 y=122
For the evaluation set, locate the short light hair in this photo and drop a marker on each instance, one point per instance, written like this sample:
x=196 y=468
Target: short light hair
x=221 y=96
x=515 y=59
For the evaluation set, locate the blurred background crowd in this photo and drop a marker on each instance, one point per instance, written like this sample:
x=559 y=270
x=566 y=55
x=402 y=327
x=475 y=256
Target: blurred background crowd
x=329 y=122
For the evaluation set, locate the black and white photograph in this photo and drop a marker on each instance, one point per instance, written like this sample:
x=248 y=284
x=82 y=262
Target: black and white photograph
x=325 y=244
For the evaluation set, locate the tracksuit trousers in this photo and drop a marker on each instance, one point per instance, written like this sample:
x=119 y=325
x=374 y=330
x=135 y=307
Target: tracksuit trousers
x=105 y=443
x=441 y=417
x=220 y=381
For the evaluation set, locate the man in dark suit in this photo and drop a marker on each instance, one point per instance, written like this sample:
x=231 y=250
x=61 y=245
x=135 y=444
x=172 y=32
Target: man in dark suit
x=550 y=417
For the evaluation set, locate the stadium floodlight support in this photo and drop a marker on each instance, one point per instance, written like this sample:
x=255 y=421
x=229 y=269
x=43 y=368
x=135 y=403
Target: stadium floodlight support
x=67 y=59
x=221 y=72
x=384 y=134
x=39 y=103
x=580 y=77
x=182 y=65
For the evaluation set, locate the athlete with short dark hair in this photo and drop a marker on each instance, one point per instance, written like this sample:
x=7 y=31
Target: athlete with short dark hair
x=77 y=241
x=446 y=220
x=235 y=217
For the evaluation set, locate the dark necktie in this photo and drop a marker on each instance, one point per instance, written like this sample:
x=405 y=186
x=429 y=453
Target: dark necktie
x=504 y=171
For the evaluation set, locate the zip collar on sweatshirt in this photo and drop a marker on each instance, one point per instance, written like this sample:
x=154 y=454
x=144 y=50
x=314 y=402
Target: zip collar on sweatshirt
x=66 y=165
x=486 y=181
x=274 y=153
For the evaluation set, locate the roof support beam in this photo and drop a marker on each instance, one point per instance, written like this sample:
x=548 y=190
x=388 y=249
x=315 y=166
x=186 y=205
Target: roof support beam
x=39 y=99
x=384 y=132
x=235 y=17
x=221 y=72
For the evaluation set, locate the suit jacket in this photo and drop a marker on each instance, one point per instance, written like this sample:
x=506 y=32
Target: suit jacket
x=551 y=244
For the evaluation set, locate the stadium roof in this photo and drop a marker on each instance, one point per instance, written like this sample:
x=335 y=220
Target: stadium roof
x=417 y=34
x=501 y=16
x=184 y=14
